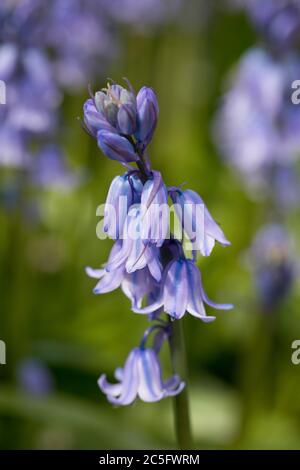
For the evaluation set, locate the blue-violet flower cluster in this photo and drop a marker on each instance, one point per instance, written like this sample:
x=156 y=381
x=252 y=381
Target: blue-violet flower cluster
x=147 y=260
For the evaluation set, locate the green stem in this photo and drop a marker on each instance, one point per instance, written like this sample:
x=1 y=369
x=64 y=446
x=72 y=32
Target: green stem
x=181 y=401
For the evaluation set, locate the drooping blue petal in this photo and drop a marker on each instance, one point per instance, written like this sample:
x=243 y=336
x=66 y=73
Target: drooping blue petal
x=197 y=222
x=137 y=285
x=156 y=305
x=153 y=262
x=213 y=304
x=95 y=273
x=150 y=387
x=116 y=147
x=110 y=281
x=122 y=193
x=120 y=257
x=176 y=290
x=195 y=305
x=134 y=254
x=154 y=203
x=128 y=387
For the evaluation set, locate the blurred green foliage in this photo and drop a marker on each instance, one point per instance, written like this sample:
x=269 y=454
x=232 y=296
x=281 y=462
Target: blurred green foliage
x=244 y=388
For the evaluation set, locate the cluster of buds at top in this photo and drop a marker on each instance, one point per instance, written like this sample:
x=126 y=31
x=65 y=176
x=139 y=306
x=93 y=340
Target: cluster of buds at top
x=147 y=261
x=122 y=123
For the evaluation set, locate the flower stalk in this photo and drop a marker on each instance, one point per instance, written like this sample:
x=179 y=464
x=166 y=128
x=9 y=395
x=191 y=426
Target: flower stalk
x=181 y=402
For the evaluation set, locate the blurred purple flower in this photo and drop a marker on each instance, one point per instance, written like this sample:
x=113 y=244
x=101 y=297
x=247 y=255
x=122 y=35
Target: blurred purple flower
x=277 y=20
x=49 y=169
x=79 y=36
x=24 y=115
x=143 y=15
x=256 y=123
x=34 y=378
x=274 y=267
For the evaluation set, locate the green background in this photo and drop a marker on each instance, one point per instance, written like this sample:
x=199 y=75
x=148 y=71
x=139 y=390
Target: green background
x=244 y=389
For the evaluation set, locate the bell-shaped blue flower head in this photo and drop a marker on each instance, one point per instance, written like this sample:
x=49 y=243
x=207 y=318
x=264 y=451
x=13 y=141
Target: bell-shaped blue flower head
x=141 y=377
x=181 y=291
x=124 y=191
x=196 y=221
x=135 y=285
x=147 y=114
x=155 y=218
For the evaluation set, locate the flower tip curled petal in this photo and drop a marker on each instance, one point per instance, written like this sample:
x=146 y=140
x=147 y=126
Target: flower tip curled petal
x=173 y=386
x=196 y=305
x=94 y=273
x=147 y=114
x=213 y=229
x=116 y=147
x=215 y=305
x=109 y=281
x=124 y=392
x=107 y=388
x=151 y=386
